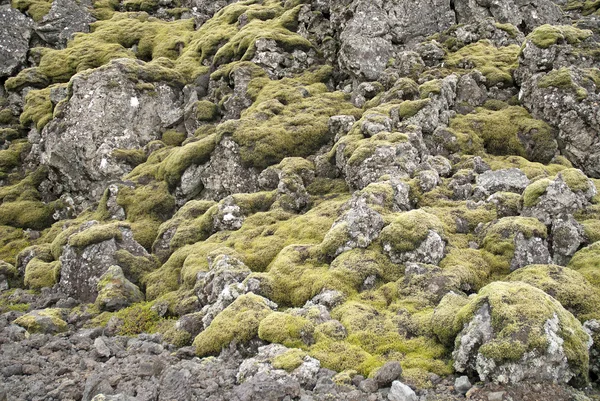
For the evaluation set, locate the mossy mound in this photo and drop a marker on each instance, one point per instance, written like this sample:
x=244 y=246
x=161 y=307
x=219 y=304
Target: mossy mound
x=409 y=229
x=284 y=328
x=566 y=285
x=46 y=321
x=587 y=262
x=40 y=274
x=519 y=314
x=239 y=322
x=547 y=35
x=509 y=131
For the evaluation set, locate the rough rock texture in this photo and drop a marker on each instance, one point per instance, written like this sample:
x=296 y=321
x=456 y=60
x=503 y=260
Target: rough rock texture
x=15 y=31
x=115 y=291
x=65 y=18
x=97 y=120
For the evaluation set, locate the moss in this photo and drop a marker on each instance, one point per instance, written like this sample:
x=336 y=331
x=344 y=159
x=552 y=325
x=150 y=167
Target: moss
x=517 y=308
x=409 y=229
x=12 y=241
x=495 y=105
x=430 y=87
x=289 y=360
x=587 y=262
x=135 y=267
x=206 y=110
x=512 y=30
x=498 y=242
x=239 y=322
x=591 y=229
x=172 y=335
x=547 y=35
x=40 y=274
x=466 y=269
x=410 y=108
x=37 y=9
x=496 y=64
x=132 y=157
x=6 y=116
x=562 y=78
x=567 y=286
x=534 y=190
x=96 y=234
x=38 y=109
x=140 y=5
x=576 y=180
x=173 y=138
x=136 y=319
x=35 y=215
x=443 y=318
x=43 y=321
x=286 y=329
x=288 y=118
x=510 y=131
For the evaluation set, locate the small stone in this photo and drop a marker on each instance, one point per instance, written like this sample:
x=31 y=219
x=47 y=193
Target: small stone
x=101 y=348
x=401 y=392
x=387 y=374
x=462 y=384
x=368 y=386
x=496 y=396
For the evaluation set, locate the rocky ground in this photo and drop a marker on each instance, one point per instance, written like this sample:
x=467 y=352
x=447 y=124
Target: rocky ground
x=299 y=200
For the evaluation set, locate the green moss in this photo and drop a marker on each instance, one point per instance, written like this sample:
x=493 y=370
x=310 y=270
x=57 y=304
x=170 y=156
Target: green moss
x=443 y=319
x=512 y=30
x=547 y=35
x=140 y=5
x=136 y=319
x=592 y=230
x=410 y=108
x=534 y=190
x=35 y=215
x=206 y=110
x=173 y=138
x=409 y=229
x=6 y=116
x=499 y=239
x=96 y=234
x=135 y=267
x=567 y=286
x=43 y=321
x=576 y=180
x=238 y=322
x=286 y=329
x=40 y=274
x=12 y=241
x=510 y=131
x=496 y=64
x=38 y=109
x=517 y=308
x=587 y=262
x=430 y=87
x=11 y=157
x=172 y=335
x=562 y=78
x=132 y=157
x=289 y=360
x=37 y=9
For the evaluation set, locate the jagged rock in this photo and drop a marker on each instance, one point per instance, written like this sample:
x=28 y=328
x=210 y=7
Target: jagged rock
x=471 y=89
x=229 y=216
x=428 y=180
x=567 y=237
x=486 y=29
x=356 y=228
x=64 y=19
x=569 y=192
x=565 y=99
x=340 y=126
x=401 y=392
x=239 y=99
x=97 y=119
x=88 y=255
x=592 y=327
x=526 y=14
x=510 y=180
x=15 y=32
x=115 y=291
x=553 y=345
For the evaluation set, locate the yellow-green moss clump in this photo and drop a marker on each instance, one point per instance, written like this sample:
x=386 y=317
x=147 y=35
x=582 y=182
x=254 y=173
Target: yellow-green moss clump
x=97 y=233
x=38 y=109
x=409 y=229
x=40 y=274
x=289 y=360
x=239 y=322
x=587 y=262
x=562 y=79
x=46 y=321
x=284 y=328
x=206 y=110
x=519 y=313
x=547 y=35
x=568 y=286
x=37 y=9
x=499 y=240
x=532 y=193
x=496 y=64
x=509 y=131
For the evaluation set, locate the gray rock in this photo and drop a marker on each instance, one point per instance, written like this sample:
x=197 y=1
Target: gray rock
x=115 y=292
x=567 y=237
x=529 y=251
x=15 y=32
x=387 y=374
x=401 y=392
x=101 y=348
x=509 y=180
x=462 y=384
x=97 y=119
x=471 y=89
x=64 y=19
x=340 y=126
x=430 y=251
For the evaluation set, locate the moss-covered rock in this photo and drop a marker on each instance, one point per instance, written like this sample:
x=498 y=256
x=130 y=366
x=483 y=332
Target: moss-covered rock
x=40 y=274
x=548 y=35
x=508 y=329
x=239 y=322
x=45 y=321
x=287 y=329
x=587 y=262
x=115 y=291
x=566 y=285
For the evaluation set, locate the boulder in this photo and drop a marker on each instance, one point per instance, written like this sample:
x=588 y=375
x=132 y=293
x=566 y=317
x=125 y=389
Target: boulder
x=15 y=32
x=115 y=291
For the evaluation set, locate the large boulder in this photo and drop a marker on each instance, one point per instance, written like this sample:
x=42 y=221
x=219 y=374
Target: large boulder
x=123 y=105
x=512 y=332
x=15 y=32
x=64 y=19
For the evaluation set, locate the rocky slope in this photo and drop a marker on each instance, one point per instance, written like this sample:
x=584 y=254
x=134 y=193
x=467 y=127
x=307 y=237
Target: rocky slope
x=299 y=200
